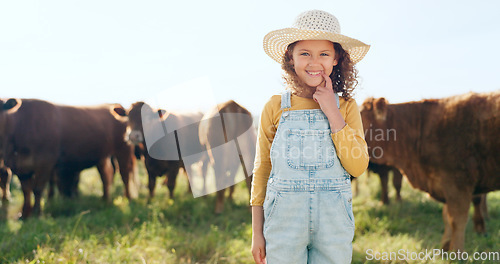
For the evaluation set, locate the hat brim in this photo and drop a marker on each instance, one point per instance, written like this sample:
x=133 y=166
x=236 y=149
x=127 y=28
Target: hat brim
x=276 y=42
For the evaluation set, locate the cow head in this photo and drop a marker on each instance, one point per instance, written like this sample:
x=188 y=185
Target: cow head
x=379 y=134
x=140 y=114
x=375 y=109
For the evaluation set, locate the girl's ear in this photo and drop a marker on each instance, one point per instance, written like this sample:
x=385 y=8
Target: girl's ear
x=336 y=59
x=289 y=55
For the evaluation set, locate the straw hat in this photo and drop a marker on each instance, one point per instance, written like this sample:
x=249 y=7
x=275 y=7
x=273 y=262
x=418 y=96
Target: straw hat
x=312 y=25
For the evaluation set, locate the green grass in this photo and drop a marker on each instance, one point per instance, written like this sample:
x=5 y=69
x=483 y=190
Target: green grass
x=414 y=225
x=185 y=230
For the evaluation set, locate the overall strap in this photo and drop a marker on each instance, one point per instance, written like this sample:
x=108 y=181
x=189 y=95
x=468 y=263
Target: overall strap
x=286 y=101
x=337 y=99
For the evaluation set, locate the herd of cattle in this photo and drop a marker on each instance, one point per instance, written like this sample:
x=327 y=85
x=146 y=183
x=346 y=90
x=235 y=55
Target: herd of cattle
x=449 y=148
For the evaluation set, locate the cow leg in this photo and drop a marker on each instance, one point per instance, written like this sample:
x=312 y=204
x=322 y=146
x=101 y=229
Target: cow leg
x=397 y=179
x=384 y=178
x=127 y=163
x=484 y=206
x=458 y=209
x=4 y=210
x=6 y=178
x=67 y=182
x=189 y=190
x=219 y=203
x=27 y=187
x=220 y=183
x=189 y=172
x=38 y=192
x=171 y=179
x=445 y=240
x=478 y=218
x=105 y=169
x=204 y=168
x=232 y=176
x=40 y=180
x=152 y=185
x=231 y=192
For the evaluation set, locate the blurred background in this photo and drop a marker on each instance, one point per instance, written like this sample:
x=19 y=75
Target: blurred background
x=190 y=55
x=91 y=52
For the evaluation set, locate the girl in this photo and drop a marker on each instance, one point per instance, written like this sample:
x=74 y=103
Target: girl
x=309 y=144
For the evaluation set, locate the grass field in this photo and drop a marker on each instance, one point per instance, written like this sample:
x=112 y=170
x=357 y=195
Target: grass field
x=185 y=230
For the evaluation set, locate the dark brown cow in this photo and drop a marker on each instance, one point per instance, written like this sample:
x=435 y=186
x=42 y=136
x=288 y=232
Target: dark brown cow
x=42 y=139
x=446 y=147
x=164 y=156
x=5 y=172
x=5 y=178
x=383 y=173
x=228 y=134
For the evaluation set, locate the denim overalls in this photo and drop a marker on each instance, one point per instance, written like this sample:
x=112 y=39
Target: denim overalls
x=307 y=211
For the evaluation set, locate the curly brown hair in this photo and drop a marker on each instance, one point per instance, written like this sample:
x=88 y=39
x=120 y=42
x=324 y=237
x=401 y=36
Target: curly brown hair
x=344 y=75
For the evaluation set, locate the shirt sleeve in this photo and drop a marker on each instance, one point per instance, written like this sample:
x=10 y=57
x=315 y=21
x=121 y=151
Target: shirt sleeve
x=350 y=143
x=262 y=163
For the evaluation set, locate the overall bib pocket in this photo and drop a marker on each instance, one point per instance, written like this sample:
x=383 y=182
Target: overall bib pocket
x=309 y=149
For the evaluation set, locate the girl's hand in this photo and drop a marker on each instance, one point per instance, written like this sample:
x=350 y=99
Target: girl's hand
x=259 y=248
x=325 y=97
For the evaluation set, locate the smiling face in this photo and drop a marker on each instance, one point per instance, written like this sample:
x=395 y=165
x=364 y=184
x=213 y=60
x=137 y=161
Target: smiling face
x=312 y=58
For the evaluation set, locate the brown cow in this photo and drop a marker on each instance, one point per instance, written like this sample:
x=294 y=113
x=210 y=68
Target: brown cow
x=228 y=134
x=168 y=138
x=446 y=147
x=5 y=172
x=42 y=139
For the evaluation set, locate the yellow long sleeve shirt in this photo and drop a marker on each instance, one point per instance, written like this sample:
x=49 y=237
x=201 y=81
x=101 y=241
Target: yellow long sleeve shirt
x=349 y=142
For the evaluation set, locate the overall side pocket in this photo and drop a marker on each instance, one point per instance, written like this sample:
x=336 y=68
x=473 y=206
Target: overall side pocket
x=347 y=203
x=270 y=204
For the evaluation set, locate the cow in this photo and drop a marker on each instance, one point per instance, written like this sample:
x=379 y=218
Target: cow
x=231 y=123
x=383 y=173
x=176 y=137
x=42 y=140
x=5 y=178
x=446 y=147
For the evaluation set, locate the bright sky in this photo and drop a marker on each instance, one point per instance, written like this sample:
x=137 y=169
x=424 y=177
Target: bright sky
x=192 y=54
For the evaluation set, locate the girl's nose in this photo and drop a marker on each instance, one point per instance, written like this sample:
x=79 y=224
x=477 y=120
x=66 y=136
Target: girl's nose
x=314 y=60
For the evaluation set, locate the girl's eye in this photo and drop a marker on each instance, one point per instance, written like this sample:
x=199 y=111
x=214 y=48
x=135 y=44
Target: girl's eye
x=324 y=54
x=304 y=54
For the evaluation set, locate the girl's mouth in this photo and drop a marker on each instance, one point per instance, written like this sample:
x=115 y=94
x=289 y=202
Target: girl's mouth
x=314 y=73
